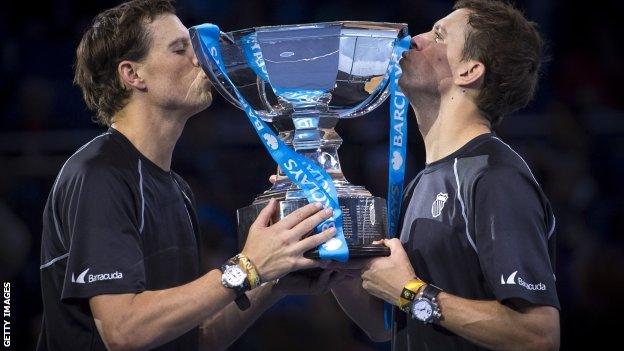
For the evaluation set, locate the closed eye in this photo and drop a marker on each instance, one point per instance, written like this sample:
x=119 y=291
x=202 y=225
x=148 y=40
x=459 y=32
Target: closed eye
x=181 y=50
x=438 y=37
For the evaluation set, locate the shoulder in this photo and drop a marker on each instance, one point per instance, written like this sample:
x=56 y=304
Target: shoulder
x=504 y=156
x=492 y=159
x=102 y=159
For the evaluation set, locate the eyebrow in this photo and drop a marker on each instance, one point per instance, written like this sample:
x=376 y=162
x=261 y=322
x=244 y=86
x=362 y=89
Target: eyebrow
x=182 y=40
x=438 y=27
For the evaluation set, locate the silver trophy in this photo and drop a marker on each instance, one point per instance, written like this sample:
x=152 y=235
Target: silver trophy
x=303 y=79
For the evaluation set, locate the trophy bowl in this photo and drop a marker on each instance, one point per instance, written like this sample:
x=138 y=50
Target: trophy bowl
x=303 y=79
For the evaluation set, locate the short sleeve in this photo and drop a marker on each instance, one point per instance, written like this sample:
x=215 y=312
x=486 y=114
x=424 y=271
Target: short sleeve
x=512 y=222
x=98 y=212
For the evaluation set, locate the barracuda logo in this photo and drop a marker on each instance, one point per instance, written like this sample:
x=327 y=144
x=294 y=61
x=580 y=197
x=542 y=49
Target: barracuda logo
x=511 y=280
x=531 y=286
x=95 y=277
x=81 y=277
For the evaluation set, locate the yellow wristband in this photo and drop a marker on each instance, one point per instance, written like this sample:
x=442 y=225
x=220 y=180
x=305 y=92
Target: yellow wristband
x=252 y=274
x=410 y=290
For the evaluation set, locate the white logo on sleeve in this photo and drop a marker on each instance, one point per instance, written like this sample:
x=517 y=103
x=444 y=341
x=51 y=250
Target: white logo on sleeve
x=510 y=280
x=81 y=277
x=438 y=204
x=95 y=277
x=529 y=286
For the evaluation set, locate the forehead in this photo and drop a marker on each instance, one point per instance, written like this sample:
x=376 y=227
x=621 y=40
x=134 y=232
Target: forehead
x=166 y=28
x=456 y=21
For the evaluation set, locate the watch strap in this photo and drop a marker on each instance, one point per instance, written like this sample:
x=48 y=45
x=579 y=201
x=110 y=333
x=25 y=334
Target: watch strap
x=431 y=292
x=242 y=301
x=409 y=293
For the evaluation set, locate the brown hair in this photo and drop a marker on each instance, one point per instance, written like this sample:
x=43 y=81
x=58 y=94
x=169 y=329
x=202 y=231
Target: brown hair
x=510 y=47
x=115 y=35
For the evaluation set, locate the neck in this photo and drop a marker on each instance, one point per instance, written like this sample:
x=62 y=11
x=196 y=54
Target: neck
x=448 y=123
x=152 y=131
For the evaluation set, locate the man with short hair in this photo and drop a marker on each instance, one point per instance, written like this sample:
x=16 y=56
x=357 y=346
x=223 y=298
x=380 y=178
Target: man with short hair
x=474 y=266
x=120 y=263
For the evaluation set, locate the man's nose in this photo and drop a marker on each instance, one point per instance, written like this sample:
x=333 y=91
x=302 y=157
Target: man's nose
x=420 y=41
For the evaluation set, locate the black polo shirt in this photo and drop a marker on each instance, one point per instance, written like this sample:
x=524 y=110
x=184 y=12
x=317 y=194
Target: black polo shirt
x=114 y=223
x=477 y=225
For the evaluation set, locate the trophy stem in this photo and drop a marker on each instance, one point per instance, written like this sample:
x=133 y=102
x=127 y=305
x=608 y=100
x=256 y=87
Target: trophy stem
x=313 y=136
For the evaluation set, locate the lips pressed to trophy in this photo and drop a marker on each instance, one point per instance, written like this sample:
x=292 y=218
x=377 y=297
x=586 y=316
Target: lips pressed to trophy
x=303 y=79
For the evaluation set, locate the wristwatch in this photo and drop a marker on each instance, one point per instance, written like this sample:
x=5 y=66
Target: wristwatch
x=425 y=308
x=234 y=277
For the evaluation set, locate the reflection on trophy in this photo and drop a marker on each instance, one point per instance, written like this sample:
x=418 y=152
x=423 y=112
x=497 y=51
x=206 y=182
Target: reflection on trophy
x=303 y=79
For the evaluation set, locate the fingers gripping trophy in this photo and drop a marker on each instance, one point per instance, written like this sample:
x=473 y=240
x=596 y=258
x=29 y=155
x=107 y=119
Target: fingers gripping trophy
x=303 y=79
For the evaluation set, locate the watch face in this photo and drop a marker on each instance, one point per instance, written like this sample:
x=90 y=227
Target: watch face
x=234 y=276
x=422 y=310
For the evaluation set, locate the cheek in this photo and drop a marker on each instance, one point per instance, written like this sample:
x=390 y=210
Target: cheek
x=169 y=72
x=440 y=62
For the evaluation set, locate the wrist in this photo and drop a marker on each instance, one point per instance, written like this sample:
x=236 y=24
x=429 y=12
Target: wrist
x=410 y=292
x=234 y=277
x=253 y=277
x=426 y=307
x=259 y=264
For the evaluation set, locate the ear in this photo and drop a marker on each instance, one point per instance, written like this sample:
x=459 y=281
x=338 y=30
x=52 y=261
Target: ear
x=128 y=72
x=469 y=73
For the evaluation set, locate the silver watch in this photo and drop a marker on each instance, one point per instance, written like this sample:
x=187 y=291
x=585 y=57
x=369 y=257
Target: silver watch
x=233 y=277
x=425 y=308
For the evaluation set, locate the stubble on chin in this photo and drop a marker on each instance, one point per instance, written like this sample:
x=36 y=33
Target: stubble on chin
x=199 y=92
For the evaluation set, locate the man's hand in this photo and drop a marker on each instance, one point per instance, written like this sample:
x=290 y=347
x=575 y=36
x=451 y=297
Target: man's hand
x=385 y=277
x=278 y=249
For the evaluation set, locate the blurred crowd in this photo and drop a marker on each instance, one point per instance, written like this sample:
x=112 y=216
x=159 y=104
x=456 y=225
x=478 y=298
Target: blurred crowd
x=572 y=135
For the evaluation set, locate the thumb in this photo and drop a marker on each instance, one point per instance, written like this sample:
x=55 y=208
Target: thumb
x=264 y=217
x=394 y=244
x=273 y=178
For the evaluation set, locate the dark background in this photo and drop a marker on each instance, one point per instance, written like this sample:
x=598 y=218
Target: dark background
x=572 y=135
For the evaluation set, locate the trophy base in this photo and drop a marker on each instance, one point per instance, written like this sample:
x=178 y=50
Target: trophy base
x=364 y=221
x=357 y=252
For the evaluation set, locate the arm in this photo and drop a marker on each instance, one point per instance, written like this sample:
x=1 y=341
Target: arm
x=363 y=308
x=222 y=329
x=486 y=323
x=492 y=325
x=151 y=318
